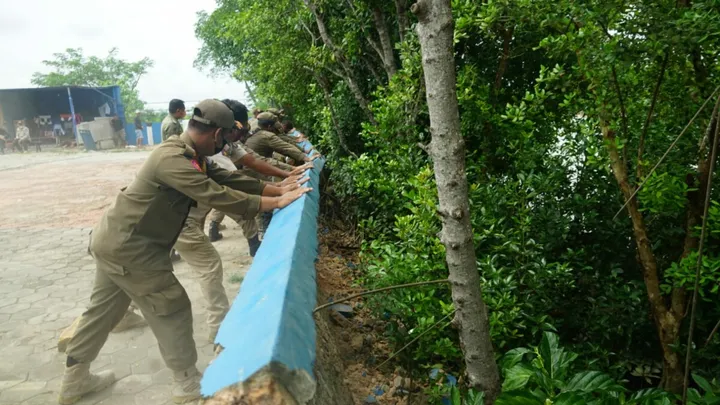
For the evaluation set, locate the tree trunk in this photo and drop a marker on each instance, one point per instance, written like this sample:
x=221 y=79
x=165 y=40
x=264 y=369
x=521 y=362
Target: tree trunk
x=250 y=93
x=667 y=322
x=502 y=65
x=447 y=150
x=371 y=67
x=388 y=53
x=402 y=18
x=348 y=74
x=325 y=86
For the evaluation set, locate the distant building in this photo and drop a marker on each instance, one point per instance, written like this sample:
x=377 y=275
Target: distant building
x=54 y=112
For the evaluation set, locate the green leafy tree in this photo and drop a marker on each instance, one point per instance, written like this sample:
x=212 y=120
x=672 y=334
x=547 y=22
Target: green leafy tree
x=73 y=68
x=564 y=108
x=154 y=115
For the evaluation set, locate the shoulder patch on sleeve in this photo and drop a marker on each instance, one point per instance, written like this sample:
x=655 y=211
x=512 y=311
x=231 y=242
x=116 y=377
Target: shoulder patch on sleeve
x=196 y=165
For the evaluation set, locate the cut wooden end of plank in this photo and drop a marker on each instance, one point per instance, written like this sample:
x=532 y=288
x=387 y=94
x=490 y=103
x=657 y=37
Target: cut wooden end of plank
x=273 y=385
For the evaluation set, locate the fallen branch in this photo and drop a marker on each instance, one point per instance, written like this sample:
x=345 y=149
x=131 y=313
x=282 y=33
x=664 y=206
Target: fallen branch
x=392 y=287
x=433 y=326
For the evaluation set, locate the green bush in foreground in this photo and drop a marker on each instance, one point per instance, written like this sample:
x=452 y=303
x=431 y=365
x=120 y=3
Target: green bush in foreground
x=544 y=375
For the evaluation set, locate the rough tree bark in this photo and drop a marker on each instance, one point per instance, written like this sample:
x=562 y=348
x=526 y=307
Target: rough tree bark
x=347 y=73
x=386 y=44
x=447 y=150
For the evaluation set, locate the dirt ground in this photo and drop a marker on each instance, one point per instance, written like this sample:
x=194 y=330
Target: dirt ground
x=360 y=337
x=49 y=203
x=58 y=190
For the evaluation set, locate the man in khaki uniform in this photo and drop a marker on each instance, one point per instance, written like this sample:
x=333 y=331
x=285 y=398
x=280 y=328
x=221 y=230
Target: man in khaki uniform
x=265 y=142
x=253 y=121
x=254 y=165
x=131 y=247
x=250 y=227
x=195 y=247
x=22 y=136
x=171 y=123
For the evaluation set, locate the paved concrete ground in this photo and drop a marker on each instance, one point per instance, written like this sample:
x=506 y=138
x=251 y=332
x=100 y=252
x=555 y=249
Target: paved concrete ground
x=49 y=203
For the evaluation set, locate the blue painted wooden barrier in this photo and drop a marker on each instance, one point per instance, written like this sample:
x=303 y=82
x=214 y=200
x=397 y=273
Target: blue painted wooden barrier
x=156 y=133
x=270 y=324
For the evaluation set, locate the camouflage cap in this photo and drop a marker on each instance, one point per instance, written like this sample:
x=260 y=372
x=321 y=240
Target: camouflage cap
x=214 y=113
x=267 y=116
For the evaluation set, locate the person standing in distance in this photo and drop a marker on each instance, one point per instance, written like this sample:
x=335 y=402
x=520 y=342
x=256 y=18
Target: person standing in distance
x=22 y=136
x=138 y=130
x=171 y=123
x=131 y=247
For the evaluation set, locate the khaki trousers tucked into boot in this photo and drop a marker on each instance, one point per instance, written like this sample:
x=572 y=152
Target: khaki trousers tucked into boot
x=78 y=382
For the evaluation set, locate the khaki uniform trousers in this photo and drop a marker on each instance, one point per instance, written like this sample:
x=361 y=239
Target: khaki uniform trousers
x=162 y=301
x=249 y=226
x=262 y=219
x=195 y=248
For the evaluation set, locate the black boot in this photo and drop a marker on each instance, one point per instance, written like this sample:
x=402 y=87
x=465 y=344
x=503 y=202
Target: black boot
x=254 y=245
x=214 y=233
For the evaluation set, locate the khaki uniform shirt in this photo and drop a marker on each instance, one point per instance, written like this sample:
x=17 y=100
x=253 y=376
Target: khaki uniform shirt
x=22 y=133
x=170 y=126
x=292 y=141
x=237 y=150
x=265 y=143
x=274 y=162
x=143 y=224
x=226 y=159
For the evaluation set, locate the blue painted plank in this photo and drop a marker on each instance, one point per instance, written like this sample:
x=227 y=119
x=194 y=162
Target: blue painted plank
x=271 y=320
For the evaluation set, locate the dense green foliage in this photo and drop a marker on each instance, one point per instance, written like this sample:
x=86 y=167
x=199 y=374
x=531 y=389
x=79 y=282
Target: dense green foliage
x=73 y=68
x=546 y=374
x=548 y=92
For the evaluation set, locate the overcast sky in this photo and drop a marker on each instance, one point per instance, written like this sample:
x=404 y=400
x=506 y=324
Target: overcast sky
x=164 y=30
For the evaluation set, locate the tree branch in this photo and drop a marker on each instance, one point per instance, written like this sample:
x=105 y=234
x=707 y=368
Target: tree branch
x=433 y=326
x=502 y=66
x=648 y=119
x=392 y=287
x=388 y=53
x=349 y=76
x=662 y=158
x=325 y=86
x=402 y=18
x=623 y=112
x=703 y=230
